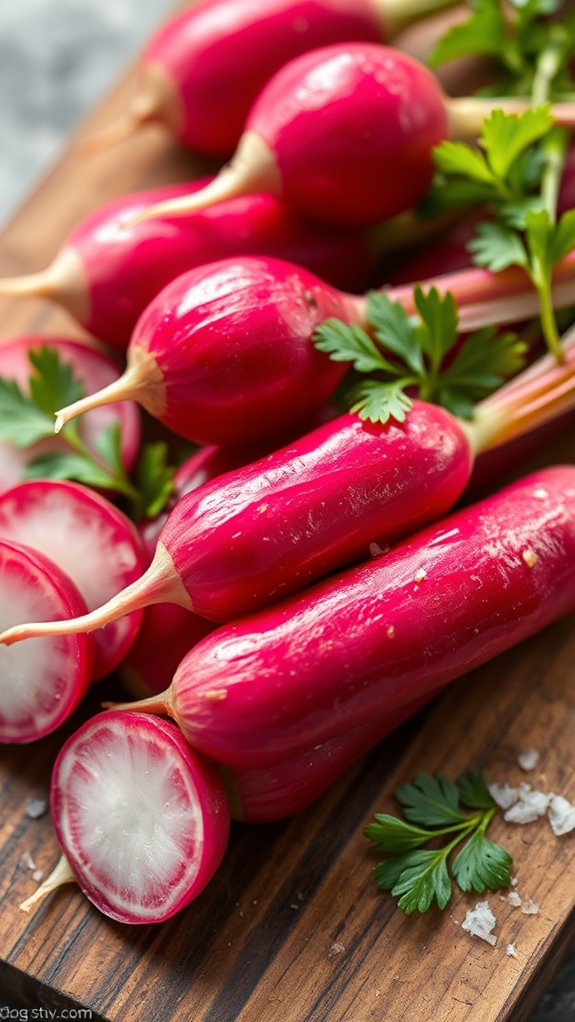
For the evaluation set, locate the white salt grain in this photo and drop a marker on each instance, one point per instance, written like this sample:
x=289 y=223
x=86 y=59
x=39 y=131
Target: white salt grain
x=511 y=951
x=36 y=807
x=27 y=862
x=529 y=908
x=480 y=921
x=336 y=949
x=503 y=794
x=529 y=759
x=514 y=899
x=37 y=875
x=561 y=815
x=530 y=805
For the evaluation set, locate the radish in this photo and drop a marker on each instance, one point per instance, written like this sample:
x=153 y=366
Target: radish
x=364 y=643
x=106 y=276
x=94 y=370
x=345 y=134
x=143 y=822
x=89 y=539
x=224 y=353
x=204 y=68
x=44 y=680
x=257 y=534
x=167 y=633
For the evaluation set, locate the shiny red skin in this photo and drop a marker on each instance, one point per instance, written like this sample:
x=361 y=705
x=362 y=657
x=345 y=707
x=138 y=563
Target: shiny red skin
x=167 y=633
x=352 y=131
x=297 y=674
x=18 y=504
x=42 y=575
x=95 y=370
x=268 y=529
x=125 y=269
x=219 y=55
x=232 y=343
x=212 y=804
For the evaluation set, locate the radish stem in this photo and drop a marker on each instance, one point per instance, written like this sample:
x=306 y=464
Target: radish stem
x=60 y=875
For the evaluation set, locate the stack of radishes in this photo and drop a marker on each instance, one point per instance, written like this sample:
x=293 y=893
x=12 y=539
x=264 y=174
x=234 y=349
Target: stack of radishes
x=310 y=667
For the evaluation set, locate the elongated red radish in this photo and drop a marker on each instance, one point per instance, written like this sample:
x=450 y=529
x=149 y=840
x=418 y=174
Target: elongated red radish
x=366 y=642
x=95 y=370
x=203 y=69
x=264 y=531
x=224 y=353
x=167 y=633
x=345 y=134
x=42 y=681
x=106 y=275
x=142 y=820
x=89 y=539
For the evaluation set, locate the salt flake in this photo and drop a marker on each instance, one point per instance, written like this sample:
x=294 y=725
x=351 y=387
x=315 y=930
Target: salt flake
x=36 y=807
x=529 y=908
x=503 y=795
x=480 y=921
x=529 y=759
x=530 y=805
x=561 y=815
x=511 y=950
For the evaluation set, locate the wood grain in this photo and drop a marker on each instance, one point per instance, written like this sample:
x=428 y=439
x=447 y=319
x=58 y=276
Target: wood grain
x=292 y=928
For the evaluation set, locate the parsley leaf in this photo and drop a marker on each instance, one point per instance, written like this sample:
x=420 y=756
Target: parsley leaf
x=22 y=422
x=52 y=383
x=377 y=401
x=419 y=876
x=347 y=342
x=155 y=479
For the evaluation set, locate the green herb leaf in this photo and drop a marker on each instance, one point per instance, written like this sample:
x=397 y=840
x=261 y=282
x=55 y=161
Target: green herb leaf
x=438 y=331
x=61 y=465
x=52 y=383
x=458 y=158
x=505 y=137
x=473 y=791
x=482 y=864
x=431 y=801
x=155 y=479
x=394 y=330
x=480 y=367
x=22 y=423
x=496 y=247
x=484 y=32
x=388 y=834
x=564 y=237
x=347 y=342
x=376 y=401
x=423 y=879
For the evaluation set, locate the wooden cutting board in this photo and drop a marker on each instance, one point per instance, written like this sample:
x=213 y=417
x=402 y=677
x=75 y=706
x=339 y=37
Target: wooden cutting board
x=292 y=929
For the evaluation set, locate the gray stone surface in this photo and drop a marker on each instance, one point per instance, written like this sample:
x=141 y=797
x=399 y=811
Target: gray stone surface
x=56 y=58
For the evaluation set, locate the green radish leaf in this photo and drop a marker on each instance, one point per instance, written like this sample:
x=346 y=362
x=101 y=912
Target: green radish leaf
x=505 y=137
x=53 y=383
x=22 y=423
x=60 y=465
x=459 y=159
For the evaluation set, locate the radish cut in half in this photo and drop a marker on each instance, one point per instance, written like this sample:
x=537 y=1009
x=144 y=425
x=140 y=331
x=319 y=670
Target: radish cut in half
x=88 y=538
x=143 y=821
x=43 y=680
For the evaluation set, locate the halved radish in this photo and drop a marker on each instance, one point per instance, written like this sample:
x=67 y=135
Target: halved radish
x=89 y=539
x=142 y=820
x=95 y=370
x=43 y=680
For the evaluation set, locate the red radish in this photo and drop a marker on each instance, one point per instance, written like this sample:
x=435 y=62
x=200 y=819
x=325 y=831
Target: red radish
x=204 y=68
x=344 y=135
x=106 y=275
x=143 y=821
x=257 y=534
x=43 y=680
x=224 y=353
x=94 y=370
x=167 y=633
x=89 y=539
x=364 y=643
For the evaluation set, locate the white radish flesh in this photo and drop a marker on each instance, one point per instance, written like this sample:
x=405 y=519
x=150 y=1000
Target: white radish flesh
x=42 y=680
x=89 y=539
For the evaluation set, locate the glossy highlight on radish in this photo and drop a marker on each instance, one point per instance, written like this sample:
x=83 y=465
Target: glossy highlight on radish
x=142 y=821
x=89 y=539
x=105 y=275
x=42 y=681
x=366 y=642
x=203 y=69
x=94 y=370
x=345 y=134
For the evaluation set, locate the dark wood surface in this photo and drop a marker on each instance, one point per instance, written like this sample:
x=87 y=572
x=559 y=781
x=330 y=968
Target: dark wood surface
x=292 y=928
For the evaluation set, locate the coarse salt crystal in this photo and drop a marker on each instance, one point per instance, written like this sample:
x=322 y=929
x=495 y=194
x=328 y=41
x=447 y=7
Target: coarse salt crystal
x=529 y=759
x=530 y=806
x=27 y=862
x=503 y=794
x=529 y=908
x=336 y=949
x=421 y=574
x=37 y=875
x=36 y=807
x=561 y=815
x=511 y=950
x=514 y=899
x=480 y=921
x=530 y=557
x=540 y=494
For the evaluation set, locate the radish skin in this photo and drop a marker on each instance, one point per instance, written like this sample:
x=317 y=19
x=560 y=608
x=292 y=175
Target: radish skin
x=203 y=69
x=345 y=135
x=44 y=680
x=105 y=276
x=364 y=643
x=89 y=539
x=141 y=819
x=167 y=633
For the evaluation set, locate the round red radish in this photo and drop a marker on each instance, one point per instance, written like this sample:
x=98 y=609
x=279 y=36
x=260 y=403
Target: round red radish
x=141 y=819
x=106 y=275
x=43 y=680
x=94 y=370
x=89 y=539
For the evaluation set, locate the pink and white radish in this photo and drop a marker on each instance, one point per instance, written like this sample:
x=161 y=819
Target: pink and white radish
x=364 y=643
x=105 y=275
x=42 y=680
x=264 y=531
x=345 y=134
x=203 y=69
x=94 y=370
x=224 y=353
x=89 y=539
x=142 y=821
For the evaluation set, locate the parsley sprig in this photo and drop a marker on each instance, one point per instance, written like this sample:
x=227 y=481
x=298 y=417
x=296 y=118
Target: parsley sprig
x=418 y=876
x=418 y=353
x=517 y=154
x=27 y=419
